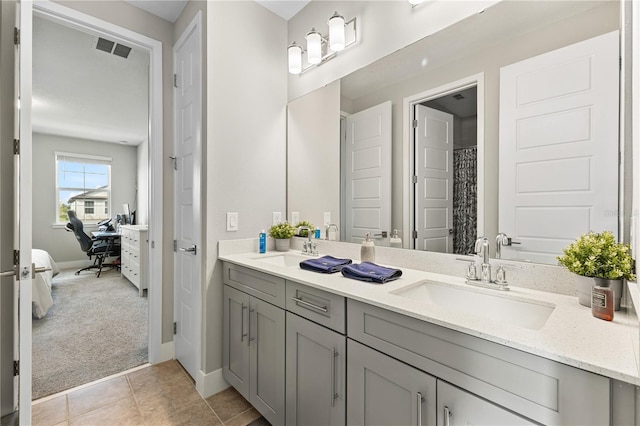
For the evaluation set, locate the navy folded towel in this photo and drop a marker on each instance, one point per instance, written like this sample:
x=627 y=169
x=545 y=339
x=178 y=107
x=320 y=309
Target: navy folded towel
x=324 y=264
x=367 y=271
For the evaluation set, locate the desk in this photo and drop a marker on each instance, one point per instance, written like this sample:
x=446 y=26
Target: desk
x=105 y=235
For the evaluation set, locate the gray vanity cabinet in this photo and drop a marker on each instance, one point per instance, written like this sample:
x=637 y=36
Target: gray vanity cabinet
x=457 y=407
x=316 y=363
x=384 y=391
x=253 y=352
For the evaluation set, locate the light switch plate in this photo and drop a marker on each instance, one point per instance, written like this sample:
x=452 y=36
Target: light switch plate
x=327 y=218
x=295 y=218
x=277 y=218
x=232 y=221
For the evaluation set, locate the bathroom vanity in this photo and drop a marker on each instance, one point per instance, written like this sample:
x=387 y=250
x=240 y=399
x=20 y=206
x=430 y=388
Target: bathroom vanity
x=308 y=348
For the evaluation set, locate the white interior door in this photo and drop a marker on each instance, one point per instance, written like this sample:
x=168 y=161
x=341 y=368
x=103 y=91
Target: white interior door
x=188 y=248
x=559 y=147
x=22 y=208
x=433 y=189
x=368 y=174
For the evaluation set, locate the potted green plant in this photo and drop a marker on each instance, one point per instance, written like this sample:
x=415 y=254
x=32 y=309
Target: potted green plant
x=598 y=256
x=282 y=233
x=303 y=232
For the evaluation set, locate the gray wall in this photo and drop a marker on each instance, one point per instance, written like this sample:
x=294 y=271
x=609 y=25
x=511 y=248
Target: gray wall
x=589 y=24
x=60 y=244
x=7 y=19
x=246 y=140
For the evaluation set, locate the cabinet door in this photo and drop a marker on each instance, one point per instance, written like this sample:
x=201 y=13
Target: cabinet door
x=235 y=354
x=266 y=336
x=458 y=407
x=384 y=391
x=316 y=362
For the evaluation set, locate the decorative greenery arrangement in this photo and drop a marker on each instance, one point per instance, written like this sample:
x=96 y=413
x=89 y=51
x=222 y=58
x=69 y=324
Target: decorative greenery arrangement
x=304 y=232
x=282 y=230
x=598 y=255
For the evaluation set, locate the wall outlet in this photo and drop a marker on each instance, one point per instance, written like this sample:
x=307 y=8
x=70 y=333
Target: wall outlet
x=276 y=218
x=327 y=218
x=232 y=221
x=295 y=218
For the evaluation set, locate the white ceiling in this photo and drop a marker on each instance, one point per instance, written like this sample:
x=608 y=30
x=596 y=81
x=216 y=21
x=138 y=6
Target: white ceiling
x=170 y=10
x=82 y=92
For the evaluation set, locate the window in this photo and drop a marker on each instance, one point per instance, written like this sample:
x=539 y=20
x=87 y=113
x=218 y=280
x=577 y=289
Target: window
x=83 y=184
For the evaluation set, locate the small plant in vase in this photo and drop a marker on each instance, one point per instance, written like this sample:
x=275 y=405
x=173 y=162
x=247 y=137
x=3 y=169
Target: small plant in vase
x=598 y=256
x=282 y=233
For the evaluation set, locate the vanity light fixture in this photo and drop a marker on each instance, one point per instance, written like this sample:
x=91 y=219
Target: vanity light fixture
x=319 y=48
x=415 y=3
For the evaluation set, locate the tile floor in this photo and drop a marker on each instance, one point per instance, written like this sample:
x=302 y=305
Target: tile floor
x=162 y=394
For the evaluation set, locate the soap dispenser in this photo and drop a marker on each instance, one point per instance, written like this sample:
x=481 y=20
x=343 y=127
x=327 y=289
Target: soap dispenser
x=368 y=250
x=395 y=240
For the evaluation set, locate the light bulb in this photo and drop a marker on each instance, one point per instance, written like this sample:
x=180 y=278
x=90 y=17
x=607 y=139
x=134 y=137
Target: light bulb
x=295 y=58
x=314 y=47
x=336 y=32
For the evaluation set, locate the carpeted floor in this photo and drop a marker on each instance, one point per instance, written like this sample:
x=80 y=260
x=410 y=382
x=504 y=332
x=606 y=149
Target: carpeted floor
x=96 y=327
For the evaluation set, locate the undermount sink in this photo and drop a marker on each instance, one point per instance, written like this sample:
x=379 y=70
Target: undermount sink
x=286 y=260
x=531 y=315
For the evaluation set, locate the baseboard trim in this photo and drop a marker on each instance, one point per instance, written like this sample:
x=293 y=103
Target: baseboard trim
x=73 y=264
x=210 y=383
x=166 y=353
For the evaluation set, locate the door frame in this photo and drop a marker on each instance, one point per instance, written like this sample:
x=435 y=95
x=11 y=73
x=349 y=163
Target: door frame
x=92 y=24
x=408 y=104
x=194 y=27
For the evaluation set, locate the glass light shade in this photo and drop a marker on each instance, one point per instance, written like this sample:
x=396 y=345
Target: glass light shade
x=314 y=47
x=336 y=32
x=295 y=58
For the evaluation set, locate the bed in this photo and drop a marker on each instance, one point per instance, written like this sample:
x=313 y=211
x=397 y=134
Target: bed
x=41 y=290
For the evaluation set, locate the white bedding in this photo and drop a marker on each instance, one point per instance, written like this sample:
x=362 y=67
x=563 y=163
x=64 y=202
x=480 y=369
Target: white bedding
x=41 y=289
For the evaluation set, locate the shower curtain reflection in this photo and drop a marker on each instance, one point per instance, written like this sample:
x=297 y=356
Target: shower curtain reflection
x=465 y=199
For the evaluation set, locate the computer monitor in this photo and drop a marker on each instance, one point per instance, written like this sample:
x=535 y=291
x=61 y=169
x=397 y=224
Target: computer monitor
x=127 y=213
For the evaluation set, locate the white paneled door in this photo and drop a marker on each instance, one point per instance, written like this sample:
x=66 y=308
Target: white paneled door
x=433 y=190
x=187 y=162
x=22 y=210
x=559 y=147
x=368 y=174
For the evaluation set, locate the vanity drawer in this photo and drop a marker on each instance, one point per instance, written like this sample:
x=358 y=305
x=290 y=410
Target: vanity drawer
x=263 y=286
x=319 y=306
x=535 y=387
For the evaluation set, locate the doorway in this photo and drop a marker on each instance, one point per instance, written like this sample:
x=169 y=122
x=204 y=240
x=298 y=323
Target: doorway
x=90 y=123
x=157 y=352
x=444 y=166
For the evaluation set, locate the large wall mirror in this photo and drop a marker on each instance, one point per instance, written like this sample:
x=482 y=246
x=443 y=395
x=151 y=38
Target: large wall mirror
x=440 y=101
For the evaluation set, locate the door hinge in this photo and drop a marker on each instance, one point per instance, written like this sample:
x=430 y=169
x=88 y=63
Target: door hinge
x=415 y=234
x=16 y=257
x=175 y=328
x=16 y=147
x=175 y=80
x=415 y=124
x=16 y=36
x=175 y=245
x=16 y=368
x=414 y=179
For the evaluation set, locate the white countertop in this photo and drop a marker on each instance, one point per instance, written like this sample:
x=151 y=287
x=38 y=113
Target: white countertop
x=571 y=335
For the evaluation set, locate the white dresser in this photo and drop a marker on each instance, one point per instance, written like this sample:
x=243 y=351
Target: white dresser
x=134 y=256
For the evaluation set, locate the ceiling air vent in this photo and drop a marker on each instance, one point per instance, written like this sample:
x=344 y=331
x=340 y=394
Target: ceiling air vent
x=458 y=97
x=122 y=50
x=105 y=45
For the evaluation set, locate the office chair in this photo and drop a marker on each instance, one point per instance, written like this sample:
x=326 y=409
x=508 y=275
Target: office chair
x=94 y=247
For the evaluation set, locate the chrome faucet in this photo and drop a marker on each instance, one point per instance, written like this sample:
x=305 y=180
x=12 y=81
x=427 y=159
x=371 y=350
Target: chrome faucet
x=482 y=249
x=308 y=247
x=333 y=225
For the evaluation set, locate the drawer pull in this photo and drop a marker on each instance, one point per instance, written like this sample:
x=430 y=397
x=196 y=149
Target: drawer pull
x=254 y=337
x=242 y=333
x=420 y=399
x=310 y=305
